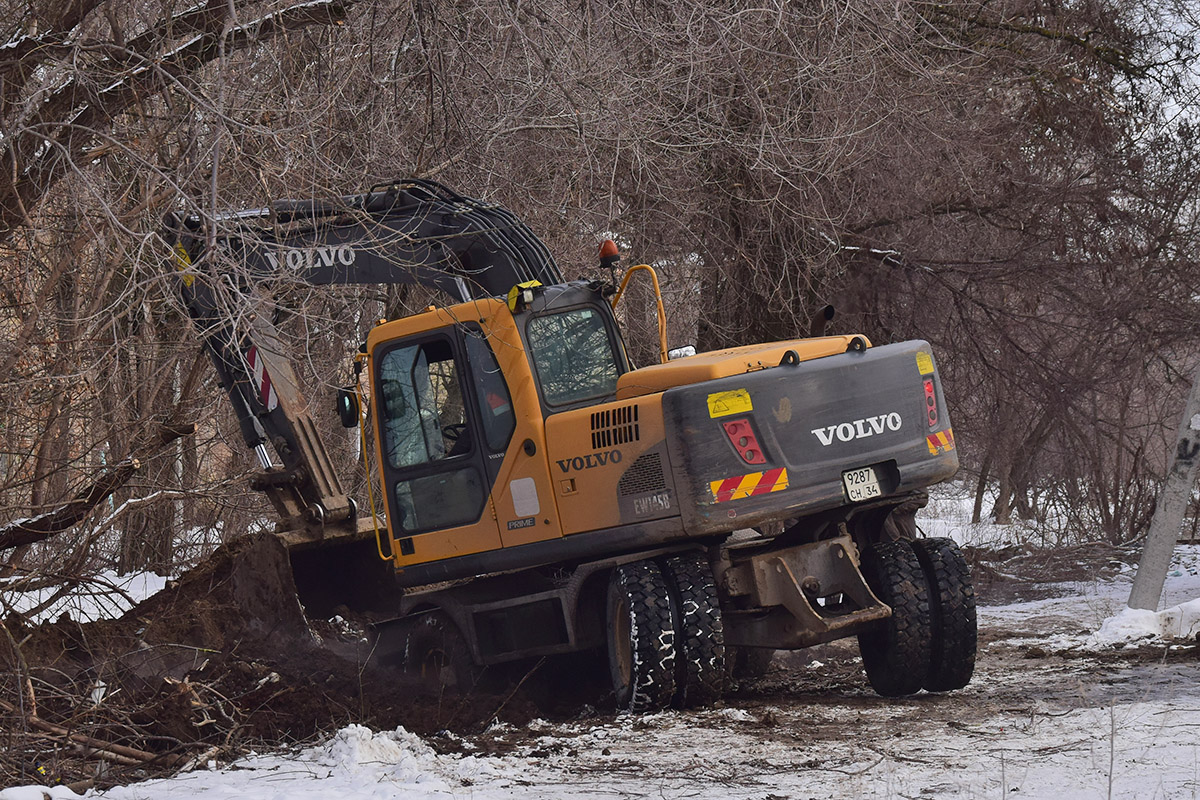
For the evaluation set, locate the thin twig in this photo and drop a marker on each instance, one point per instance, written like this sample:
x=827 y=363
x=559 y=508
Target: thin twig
x=517 y=688
x=98 y=747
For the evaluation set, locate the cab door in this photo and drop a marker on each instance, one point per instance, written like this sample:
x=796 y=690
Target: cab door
x=433 y=448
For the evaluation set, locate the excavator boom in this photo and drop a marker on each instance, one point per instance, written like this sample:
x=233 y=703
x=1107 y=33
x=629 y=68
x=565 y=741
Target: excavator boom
x=407 y=232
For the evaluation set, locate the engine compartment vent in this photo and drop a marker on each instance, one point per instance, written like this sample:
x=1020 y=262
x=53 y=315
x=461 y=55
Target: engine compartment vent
x=644 y=475
x=614 y=426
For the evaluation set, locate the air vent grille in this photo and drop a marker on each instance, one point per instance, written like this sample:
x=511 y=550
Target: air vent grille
x=614 y=426
x=644 y=475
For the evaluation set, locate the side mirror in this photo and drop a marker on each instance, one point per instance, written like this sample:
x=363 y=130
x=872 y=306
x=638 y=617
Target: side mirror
x=347 y=407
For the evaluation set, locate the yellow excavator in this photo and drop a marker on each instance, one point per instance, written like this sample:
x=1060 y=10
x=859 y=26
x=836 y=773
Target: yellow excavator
x=535 y=494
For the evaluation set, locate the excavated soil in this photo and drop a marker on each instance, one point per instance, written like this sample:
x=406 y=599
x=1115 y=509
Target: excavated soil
x=223 y=658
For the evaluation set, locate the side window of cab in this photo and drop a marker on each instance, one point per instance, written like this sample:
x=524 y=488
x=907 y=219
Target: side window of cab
x=491 y=391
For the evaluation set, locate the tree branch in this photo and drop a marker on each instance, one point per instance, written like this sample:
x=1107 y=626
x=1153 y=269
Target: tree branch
x=66 y=516
x=72 y=119
x=98 y=748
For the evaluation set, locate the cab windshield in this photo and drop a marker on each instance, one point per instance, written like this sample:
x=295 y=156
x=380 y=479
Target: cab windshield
x=573 y=355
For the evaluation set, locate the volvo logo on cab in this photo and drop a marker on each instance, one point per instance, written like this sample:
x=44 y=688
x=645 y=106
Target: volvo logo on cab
x=858 y=429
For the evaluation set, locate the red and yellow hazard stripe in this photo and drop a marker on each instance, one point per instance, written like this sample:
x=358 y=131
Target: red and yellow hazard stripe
x=940 y=442
x=262 y=379
x=756 y=483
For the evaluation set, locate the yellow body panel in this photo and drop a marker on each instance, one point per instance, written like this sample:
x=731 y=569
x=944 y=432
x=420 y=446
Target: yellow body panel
x=493 y=530
x=723 y=363
x=587 y=466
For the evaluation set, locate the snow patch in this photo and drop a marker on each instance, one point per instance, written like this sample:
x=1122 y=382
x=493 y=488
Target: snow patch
x=736 y=715
x=103 y=596
x=37 y=793
x=355 y=746
x=1130 y=624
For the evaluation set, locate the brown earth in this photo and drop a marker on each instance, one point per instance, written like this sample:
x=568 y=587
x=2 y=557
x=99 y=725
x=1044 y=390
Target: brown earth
x=222 y=658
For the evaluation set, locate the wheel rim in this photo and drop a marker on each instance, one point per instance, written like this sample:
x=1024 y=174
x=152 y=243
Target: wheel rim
x=433 y=664
x=621 y=646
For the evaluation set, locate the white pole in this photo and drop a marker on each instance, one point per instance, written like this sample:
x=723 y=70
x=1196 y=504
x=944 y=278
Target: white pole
x=1172 y=503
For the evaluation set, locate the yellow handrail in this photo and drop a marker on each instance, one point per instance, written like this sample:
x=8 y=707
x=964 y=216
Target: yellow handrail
x=362 y=430
x=662 y=314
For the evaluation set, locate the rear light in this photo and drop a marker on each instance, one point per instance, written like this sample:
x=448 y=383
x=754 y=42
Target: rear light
x=931 y=404
x=741 y=436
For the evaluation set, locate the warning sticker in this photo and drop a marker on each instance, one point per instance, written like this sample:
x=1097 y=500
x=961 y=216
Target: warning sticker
x=722 y=403
x=924 y=363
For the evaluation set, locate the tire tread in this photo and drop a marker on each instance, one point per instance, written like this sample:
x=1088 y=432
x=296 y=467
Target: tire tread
x=652 y=634
x=700 y=671
x=955 y=623
x=896 y=651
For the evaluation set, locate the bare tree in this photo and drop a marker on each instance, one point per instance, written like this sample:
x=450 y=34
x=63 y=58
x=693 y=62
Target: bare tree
x=988 y=176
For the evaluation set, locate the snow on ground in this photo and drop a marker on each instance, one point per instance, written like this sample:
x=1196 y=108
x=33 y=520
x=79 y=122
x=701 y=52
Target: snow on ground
x=103 y=596
x=1126 y=749
x=1094 y=615
x=1132 y=624
x=1052 y=712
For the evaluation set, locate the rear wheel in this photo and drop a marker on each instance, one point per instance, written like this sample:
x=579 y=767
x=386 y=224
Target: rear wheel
x=955 y=629
x=896 y=651
x=641 y=637
x=699 y=630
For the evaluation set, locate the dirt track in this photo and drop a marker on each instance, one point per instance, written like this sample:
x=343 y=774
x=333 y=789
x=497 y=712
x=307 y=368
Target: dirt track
x=821 y=695
x=1059 y=722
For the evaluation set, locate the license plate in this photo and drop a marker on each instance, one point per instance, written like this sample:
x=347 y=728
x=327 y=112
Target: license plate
x=861 y=484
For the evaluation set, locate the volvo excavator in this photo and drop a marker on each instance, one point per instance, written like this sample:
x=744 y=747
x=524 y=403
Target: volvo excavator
x=532 y=493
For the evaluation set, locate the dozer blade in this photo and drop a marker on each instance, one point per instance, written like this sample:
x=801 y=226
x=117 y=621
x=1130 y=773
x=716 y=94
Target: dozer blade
x=801 y=596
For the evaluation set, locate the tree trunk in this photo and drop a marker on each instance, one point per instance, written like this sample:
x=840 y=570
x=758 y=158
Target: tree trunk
x=980 y=488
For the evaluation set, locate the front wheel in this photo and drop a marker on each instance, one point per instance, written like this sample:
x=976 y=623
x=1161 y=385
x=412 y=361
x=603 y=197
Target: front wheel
x=641 y=637
x=429 y=648
x=896 y=651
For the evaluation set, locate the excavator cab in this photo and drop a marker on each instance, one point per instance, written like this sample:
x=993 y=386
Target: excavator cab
x=459 y=397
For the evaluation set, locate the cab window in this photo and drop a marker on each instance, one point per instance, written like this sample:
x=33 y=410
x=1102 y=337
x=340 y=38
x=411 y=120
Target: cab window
x=425 y=428
x=573 y=356
x=424 y=416
x=491 y=391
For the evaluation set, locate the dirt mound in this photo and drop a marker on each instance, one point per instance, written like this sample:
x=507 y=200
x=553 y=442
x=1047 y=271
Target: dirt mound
x=239 y=601
x=224 y=657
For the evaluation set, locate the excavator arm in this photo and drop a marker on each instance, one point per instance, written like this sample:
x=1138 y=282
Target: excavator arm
x=408 y=232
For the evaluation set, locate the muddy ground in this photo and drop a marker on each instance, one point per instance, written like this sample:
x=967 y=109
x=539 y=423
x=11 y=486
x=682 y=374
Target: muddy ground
x=223 y=661
x=819 y=699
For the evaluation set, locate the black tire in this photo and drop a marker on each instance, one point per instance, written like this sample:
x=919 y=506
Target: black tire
x=955 y=627
x=699 y=630
x=896 y=651
x=641 y=637
x=429 y=648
